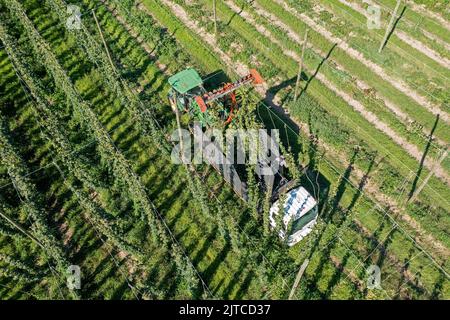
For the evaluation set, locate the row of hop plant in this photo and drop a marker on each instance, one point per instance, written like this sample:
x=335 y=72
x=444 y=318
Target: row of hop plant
x=401 y=60
x=164 y=46
x=227 y=229
x=294 y=106
x=233 y=231
x=8 y=231
x=66 y=151
x=85 y=202
x=321 y=115
x=112 y=78
x=106 y=145
x=18 y=270
x=130 y=13
x=32 y=203
x=199 y=192
x=346 y=80
x=245 y=119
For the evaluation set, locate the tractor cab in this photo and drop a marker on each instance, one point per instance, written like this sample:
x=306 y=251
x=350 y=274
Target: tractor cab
x=185 y=85
x=217 y=106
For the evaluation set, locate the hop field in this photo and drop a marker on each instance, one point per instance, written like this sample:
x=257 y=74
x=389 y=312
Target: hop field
x=87 y=181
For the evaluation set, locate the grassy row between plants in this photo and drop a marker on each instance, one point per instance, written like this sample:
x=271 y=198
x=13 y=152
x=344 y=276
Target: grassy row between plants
x=93 y=86
x=420 y=27
x=109 y=184
x=344 y=81
x=360 y=71
x=24 y=129
x=156 y=169
x=377 y=227
x=388 y=177
x=422 y=74
x=429 y=66
x=422 y=20
x=229 y=263
x=172 y=23
x=375 y=109
x=35 y=151
x=103 y=20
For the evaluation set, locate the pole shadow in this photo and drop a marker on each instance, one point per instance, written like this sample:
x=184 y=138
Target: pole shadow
x=394 y=27
x=422 y=160
x=361 y=185
x=319 y=66
x=341 y=187
x=244 y=5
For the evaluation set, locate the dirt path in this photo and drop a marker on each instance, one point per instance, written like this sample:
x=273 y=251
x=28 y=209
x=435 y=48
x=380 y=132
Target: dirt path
x=430 y=53
x=436 y=39
x=240 y=68
x=412 y=149
x=422 y=237
x=423 y=10
x=373 y=189
x=67 y=233
x=363 y=86
x=416 y=44
x=350 y=272
x=396 y=83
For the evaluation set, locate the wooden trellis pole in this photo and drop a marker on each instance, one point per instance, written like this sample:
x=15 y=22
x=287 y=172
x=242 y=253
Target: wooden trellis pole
x=390 y=26
x=300 y=66
x=18 y=227
x=430 y=174
x=103 y=39
x=298 y=278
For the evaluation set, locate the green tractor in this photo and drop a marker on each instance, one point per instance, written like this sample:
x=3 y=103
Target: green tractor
x=217 y=108
x=188 y=94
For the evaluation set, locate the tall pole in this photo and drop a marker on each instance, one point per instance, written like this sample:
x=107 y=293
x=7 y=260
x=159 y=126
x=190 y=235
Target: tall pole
x=298 y=278
x=103 y=39
x=18 y=227
x=180 y=134
x=430 y=174
x=390 y=26
x=215 y=18
x=300 y=66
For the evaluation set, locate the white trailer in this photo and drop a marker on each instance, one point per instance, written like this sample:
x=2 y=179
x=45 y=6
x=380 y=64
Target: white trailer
x=300 y=215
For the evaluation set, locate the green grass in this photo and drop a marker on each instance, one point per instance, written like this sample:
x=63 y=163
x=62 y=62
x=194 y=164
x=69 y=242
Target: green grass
x=168 y=23
x=230 y=272
x=349 y=119
x=420 y=72
x=357 y=69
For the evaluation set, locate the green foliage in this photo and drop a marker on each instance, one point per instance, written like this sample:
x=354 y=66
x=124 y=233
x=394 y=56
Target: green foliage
x=68 y=91
x=31 y=202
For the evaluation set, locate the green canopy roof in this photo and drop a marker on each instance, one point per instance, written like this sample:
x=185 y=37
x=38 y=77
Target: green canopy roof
x=185 y=80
